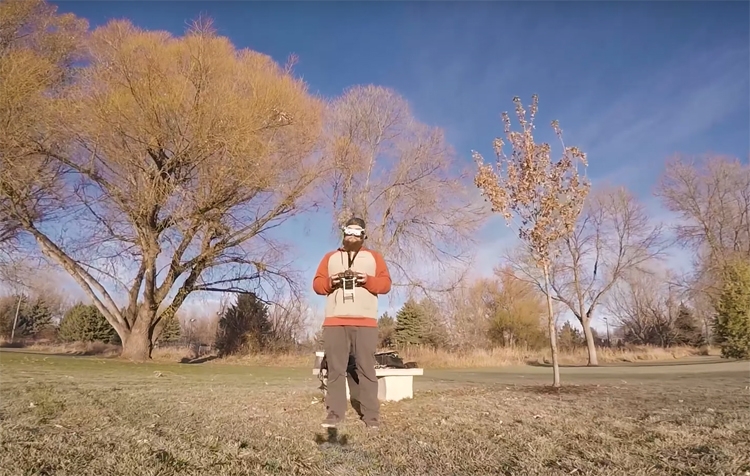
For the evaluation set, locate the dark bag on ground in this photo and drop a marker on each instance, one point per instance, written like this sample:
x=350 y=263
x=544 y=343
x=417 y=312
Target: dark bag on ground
x=392 y=360
x=388 y=359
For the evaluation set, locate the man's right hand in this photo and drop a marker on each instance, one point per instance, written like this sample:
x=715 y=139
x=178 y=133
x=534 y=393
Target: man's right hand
x=335 y=281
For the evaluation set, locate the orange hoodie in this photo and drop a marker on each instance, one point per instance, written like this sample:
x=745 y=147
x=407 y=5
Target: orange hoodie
x=363 y=310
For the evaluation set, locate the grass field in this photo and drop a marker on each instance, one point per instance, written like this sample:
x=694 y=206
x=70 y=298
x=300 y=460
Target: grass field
x=64 y=415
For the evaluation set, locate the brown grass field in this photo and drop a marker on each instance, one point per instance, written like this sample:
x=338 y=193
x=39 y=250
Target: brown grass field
x=79 y=415
x=435 y=359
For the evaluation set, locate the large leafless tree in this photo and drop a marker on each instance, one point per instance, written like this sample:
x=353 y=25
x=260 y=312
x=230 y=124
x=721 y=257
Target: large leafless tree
x=161 y=170
x=644 y=304
x=711 y=197
x=400 y=177
x=614 y=236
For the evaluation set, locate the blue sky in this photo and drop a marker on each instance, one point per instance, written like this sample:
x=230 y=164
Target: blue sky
x=630 y=82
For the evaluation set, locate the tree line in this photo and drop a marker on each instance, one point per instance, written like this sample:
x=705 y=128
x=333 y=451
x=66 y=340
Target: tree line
x=247 y=325
x=151 y=167
x=506 y=312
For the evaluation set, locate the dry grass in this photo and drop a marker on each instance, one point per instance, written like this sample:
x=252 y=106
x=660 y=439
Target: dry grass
x=90 y=416
x=75 y=348
x=425 y=357
x=440 y=359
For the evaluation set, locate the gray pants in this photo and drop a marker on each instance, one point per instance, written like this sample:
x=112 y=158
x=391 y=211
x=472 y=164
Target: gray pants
x=339 y=342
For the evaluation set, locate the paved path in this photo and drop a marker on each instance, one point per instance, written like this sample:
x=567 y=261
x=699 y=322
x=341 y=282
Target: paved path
x=693 y=369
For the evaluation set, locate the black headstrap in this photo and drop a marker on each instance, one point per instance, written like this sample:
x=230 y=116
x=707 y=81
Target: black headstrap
x=351 y=258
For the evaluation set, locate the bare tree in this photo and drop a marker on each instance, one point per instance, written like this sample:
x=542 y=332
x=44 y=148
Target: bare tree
x=519 y=311
x=645 y=305
x=545 y=196
x=466 y=307
x=712 y=199
x=183 y=155
x=289 y=318
x=198 y=327
x=396 y=173
x=504 y=311
x=613 y=236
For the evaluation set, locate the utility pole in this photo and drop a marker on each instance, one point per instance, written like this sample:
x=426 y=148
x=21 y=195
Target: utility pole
x=606 y=322
x=191 y=344
x=15 y=319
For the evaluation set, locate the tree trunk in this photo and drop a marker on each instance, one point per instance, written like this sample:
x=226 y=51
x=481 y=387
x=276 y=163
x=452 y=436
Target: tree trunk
x=552 y=331
x=137 y=344
x=590 y=344
x=136 y=347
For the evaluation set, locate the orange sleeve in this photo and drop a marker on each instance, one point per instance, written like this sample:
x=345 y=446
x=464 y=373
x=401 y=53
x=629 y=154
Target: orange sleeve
x=321 y=281
x=381 y=282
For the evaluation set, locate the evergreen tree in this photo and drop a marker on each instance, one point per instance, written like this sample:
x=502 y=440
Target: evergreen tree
x=34 y=317
x=244 y=327
x=386 y=331
x=7 y=312
x=85 y=323
x=169 y=330
x=434 y=331
x=687 y=329
x=410 y=324
x=733 y=312
x=570 y=338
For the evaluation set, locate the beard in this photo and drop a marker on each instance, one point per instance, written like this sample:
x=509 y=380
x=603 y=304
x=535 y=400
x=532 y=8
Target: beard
x=352 y=245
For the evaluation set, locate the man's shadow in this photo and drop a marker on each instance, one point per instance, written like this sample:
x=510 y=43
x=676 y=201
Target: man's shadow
x=352 y=378
x=332 y=438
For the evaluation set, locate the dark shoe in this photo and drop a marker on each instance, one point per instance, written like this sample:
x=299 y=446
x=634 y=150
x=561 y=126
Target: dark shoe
x=331 y=421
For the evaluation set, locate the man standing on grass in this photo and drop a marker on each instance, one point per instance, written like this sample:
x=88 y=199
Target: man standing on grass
x=351 y=278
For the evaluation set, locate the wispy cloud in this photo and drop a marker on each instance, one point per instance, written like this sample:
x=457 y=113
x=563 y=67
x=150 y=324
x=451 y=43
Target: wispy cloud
x=667 y=111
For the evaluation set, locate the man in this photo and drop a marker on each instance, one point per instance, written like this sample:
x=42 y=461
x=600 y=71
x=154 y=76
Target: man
x=351 y=278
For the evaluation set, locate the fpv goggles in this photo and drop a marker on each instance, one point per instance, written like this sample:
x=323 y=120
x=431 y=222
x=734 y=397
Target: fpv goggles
x=351 y=231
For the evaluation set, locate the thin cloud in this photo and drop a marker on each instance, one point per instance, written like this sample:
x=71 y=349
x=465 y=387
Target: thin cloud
x=667 y=112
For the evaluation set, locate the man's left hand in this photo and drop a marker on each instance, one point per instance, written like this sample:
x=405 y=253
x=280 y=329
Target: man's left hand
x=361 y=279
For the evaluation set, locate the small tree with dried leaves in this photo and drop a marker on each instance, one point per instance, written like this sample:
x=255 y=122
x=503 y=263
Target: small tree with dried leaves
x=545 y=196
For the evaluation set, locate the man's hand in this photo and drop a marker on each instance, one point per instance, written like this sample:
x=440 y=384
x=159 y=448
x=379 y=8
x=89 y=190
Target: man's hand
x=361 y=279
x=335 y=281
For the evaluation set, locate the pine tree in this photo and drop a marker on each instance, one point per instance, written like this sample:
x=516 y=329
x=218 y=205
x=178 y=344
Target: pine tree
x=169 y=330
x=687 y=329
x=7 y=312
x=570 y=338
x=410 y=323
x=244 y=327
x=733 y=312
x=34 y=317
x=434 y=332
x=85 y=323
x=386 y=331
